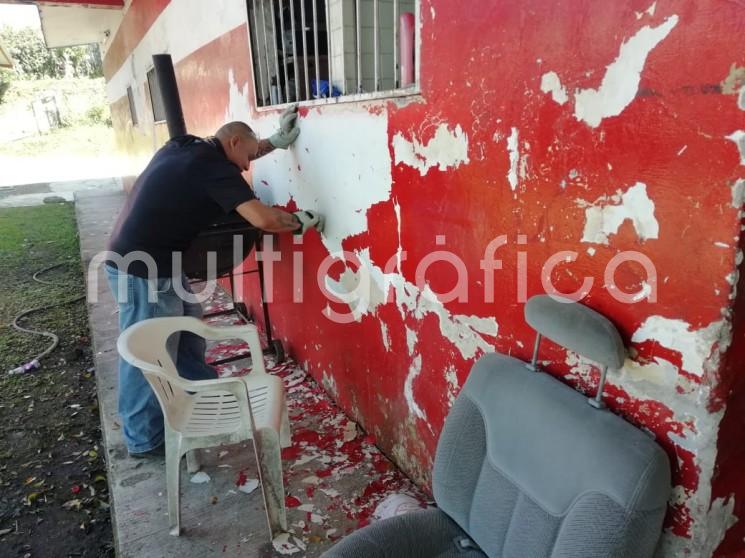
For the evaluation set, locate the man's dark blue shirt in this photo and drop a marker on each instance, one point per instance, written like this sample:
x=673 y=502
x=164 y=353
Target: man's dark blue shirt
x=188 y=185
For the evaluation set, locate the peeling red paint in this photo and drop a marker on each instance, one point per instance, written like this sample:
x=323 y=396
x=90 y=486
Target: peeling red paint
x=670 y=137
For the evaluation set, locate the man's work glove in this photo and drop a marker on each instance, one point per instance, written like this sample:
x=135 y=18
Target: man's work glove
x=308 y=220
x=288 y=130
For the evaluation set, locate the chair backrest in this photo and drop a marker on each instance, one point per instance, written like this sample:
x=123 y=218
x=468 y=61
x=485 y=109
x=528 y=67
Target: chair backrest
x=528 y=469
x=145 y=345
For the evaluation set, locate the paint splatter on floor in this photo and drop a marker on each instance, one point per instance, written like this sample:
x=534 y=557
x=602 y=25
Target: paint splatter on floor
x=334 y=474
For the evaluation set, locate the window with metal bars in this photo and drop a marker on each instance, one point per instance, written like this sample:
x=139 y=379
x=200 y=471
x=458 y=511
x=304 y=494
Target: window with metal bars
x=132 y=109
x=156 y=99
x=305 y=50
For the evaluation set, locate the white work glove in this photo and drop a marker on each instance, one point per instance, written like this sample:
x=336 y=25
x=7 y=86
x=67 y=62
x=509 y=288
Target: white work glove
x=308 y=220
x=288 y=130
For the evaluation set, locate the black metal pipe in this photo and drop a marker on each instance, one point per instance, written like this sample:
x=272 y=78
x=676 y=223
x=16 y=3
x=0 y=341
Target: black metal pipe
x=166 y=77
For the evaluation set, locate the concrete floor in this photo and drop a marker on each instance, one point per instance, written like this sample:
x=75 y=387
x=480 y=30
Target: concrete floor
x=334 y=476
x=35 y=194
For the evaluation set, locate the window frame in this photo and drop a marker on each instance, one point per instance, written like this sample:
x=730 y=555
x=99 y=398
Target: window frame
x=132 y=107
x=150 y=71
x=413 y=90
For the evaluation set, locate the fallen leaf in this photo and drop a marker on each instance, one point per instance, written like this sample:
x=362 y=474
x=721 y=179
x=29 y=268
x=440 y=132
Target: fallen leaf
x=72 y=505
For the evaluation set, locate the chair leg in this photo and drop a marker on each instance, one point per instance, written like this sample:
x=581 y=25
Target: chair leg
x=173 y=484
x=192 y=461
x=269 y=461
x=285 y=435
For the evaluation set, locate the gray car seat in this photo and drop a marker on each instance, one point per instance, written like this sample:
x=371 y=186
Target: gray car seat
x=526 y=468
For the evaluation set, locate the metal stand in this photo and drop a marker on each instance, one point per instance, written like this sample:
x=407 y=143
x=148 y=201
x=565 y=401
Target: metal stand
x=274 y=346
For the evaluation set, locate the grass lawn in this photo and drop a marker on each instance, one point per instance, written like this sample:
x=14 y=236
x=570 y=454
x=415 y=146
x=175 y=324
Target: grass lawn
x=53 y=489
x=32 y=238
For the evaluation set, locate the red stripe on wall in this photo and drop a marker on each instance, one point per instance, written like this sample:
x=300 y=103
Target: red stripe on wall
x=138 y=19
x=86 y=3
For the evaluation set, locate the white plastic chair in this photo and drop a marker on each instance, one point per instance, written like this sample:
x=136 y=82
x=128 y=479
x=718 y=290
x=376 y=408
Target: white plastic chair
x=208 y=413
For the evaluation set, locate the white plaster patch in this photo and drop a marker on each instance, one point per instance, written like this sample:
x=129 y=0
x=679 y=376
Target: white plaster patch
x=513 y=150
x=741 y=99
x=339 y=166
x=238 y=107
x=410 y=340
x=200 y=477
x=649 y=11
x=694 y=345
x=447 y=149
x=414 y=370
x=451 y=377
x=384 y=334
x=329 y=383
x=284 y=545
x=465 y=332
x=621 y=80
x=357 y=289
x=399 y=250
x=550 y=83
x=603 y=219
x=738 y=137
x=738 y=193
x=660 y=372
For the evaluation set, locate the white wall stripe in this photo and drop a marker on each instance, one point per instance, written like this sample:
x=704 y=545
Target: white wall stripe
x=182 y=28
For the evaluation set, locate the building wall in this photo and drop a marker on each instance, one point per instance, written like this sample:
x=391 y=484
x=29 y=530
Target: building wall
x=575 y=128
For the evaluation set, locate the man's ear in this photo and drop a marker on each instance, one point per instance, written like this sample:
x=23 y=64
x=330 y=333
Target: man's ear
x=234 y=141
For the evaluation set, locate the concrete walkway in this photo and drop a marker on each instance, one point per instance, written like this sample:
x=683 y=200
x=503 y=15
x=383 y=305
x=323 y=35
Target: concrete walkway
x=35 y=194
x=334 y=476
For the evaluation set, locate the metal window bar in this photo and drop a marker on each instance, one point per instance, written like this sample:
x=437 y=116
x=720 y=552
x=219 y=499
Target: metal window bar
x=257 y=54
x=358 y=24
x=315 y=50
x=294 y=49
x=395 y=45
x=329 y=57
x=284 y=47
x=376 y=38
x=276 y=52
x=305 y=50
x=279 y=93
x=266 y=53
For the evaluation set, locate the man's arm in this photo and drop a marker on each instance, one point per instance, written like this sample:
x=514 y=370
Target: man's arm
x=267 y=218
x=265 y=147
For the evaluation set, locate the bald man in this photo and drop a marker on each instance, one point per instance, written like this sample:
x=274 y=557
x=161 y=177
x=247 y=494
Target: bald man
x=188 y=185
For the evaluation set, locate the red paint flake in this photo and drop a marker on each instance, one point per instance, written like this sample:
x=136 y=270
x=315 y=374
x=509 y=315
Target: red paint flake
x=363 y=522
x=323 y=473
x=242 y=478
x=381 y=466
x=293 y=452
x=308 y=436
x=375 y=487
x=75 y=489
x=292 y=502
x=309 y=491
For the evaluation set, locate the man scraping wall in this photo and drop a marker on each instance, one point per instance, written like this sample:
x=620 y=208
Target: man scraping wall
x=188 y=185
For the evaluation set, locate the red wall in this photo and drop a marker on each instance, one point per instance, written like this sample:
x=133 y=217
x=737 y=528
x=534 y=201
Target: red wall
x=481 y=69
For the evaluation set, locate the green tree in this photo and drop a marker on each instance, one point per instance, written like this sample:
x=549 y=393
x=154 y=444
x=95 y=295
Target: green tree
x=33 y=60
x=6 y=77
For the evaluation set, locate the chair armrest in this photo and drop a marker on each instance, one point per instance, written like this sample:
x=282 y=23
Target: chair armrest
x=246 y=332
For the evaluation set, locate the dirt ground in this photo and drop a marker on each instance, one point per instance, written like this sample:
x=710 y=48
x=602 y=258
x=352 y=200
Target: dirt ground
x=53 y=488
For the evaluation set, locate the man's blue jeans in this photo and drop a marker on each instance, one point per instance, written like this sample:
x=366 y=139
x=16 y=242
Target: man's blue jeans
x=139 y=408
